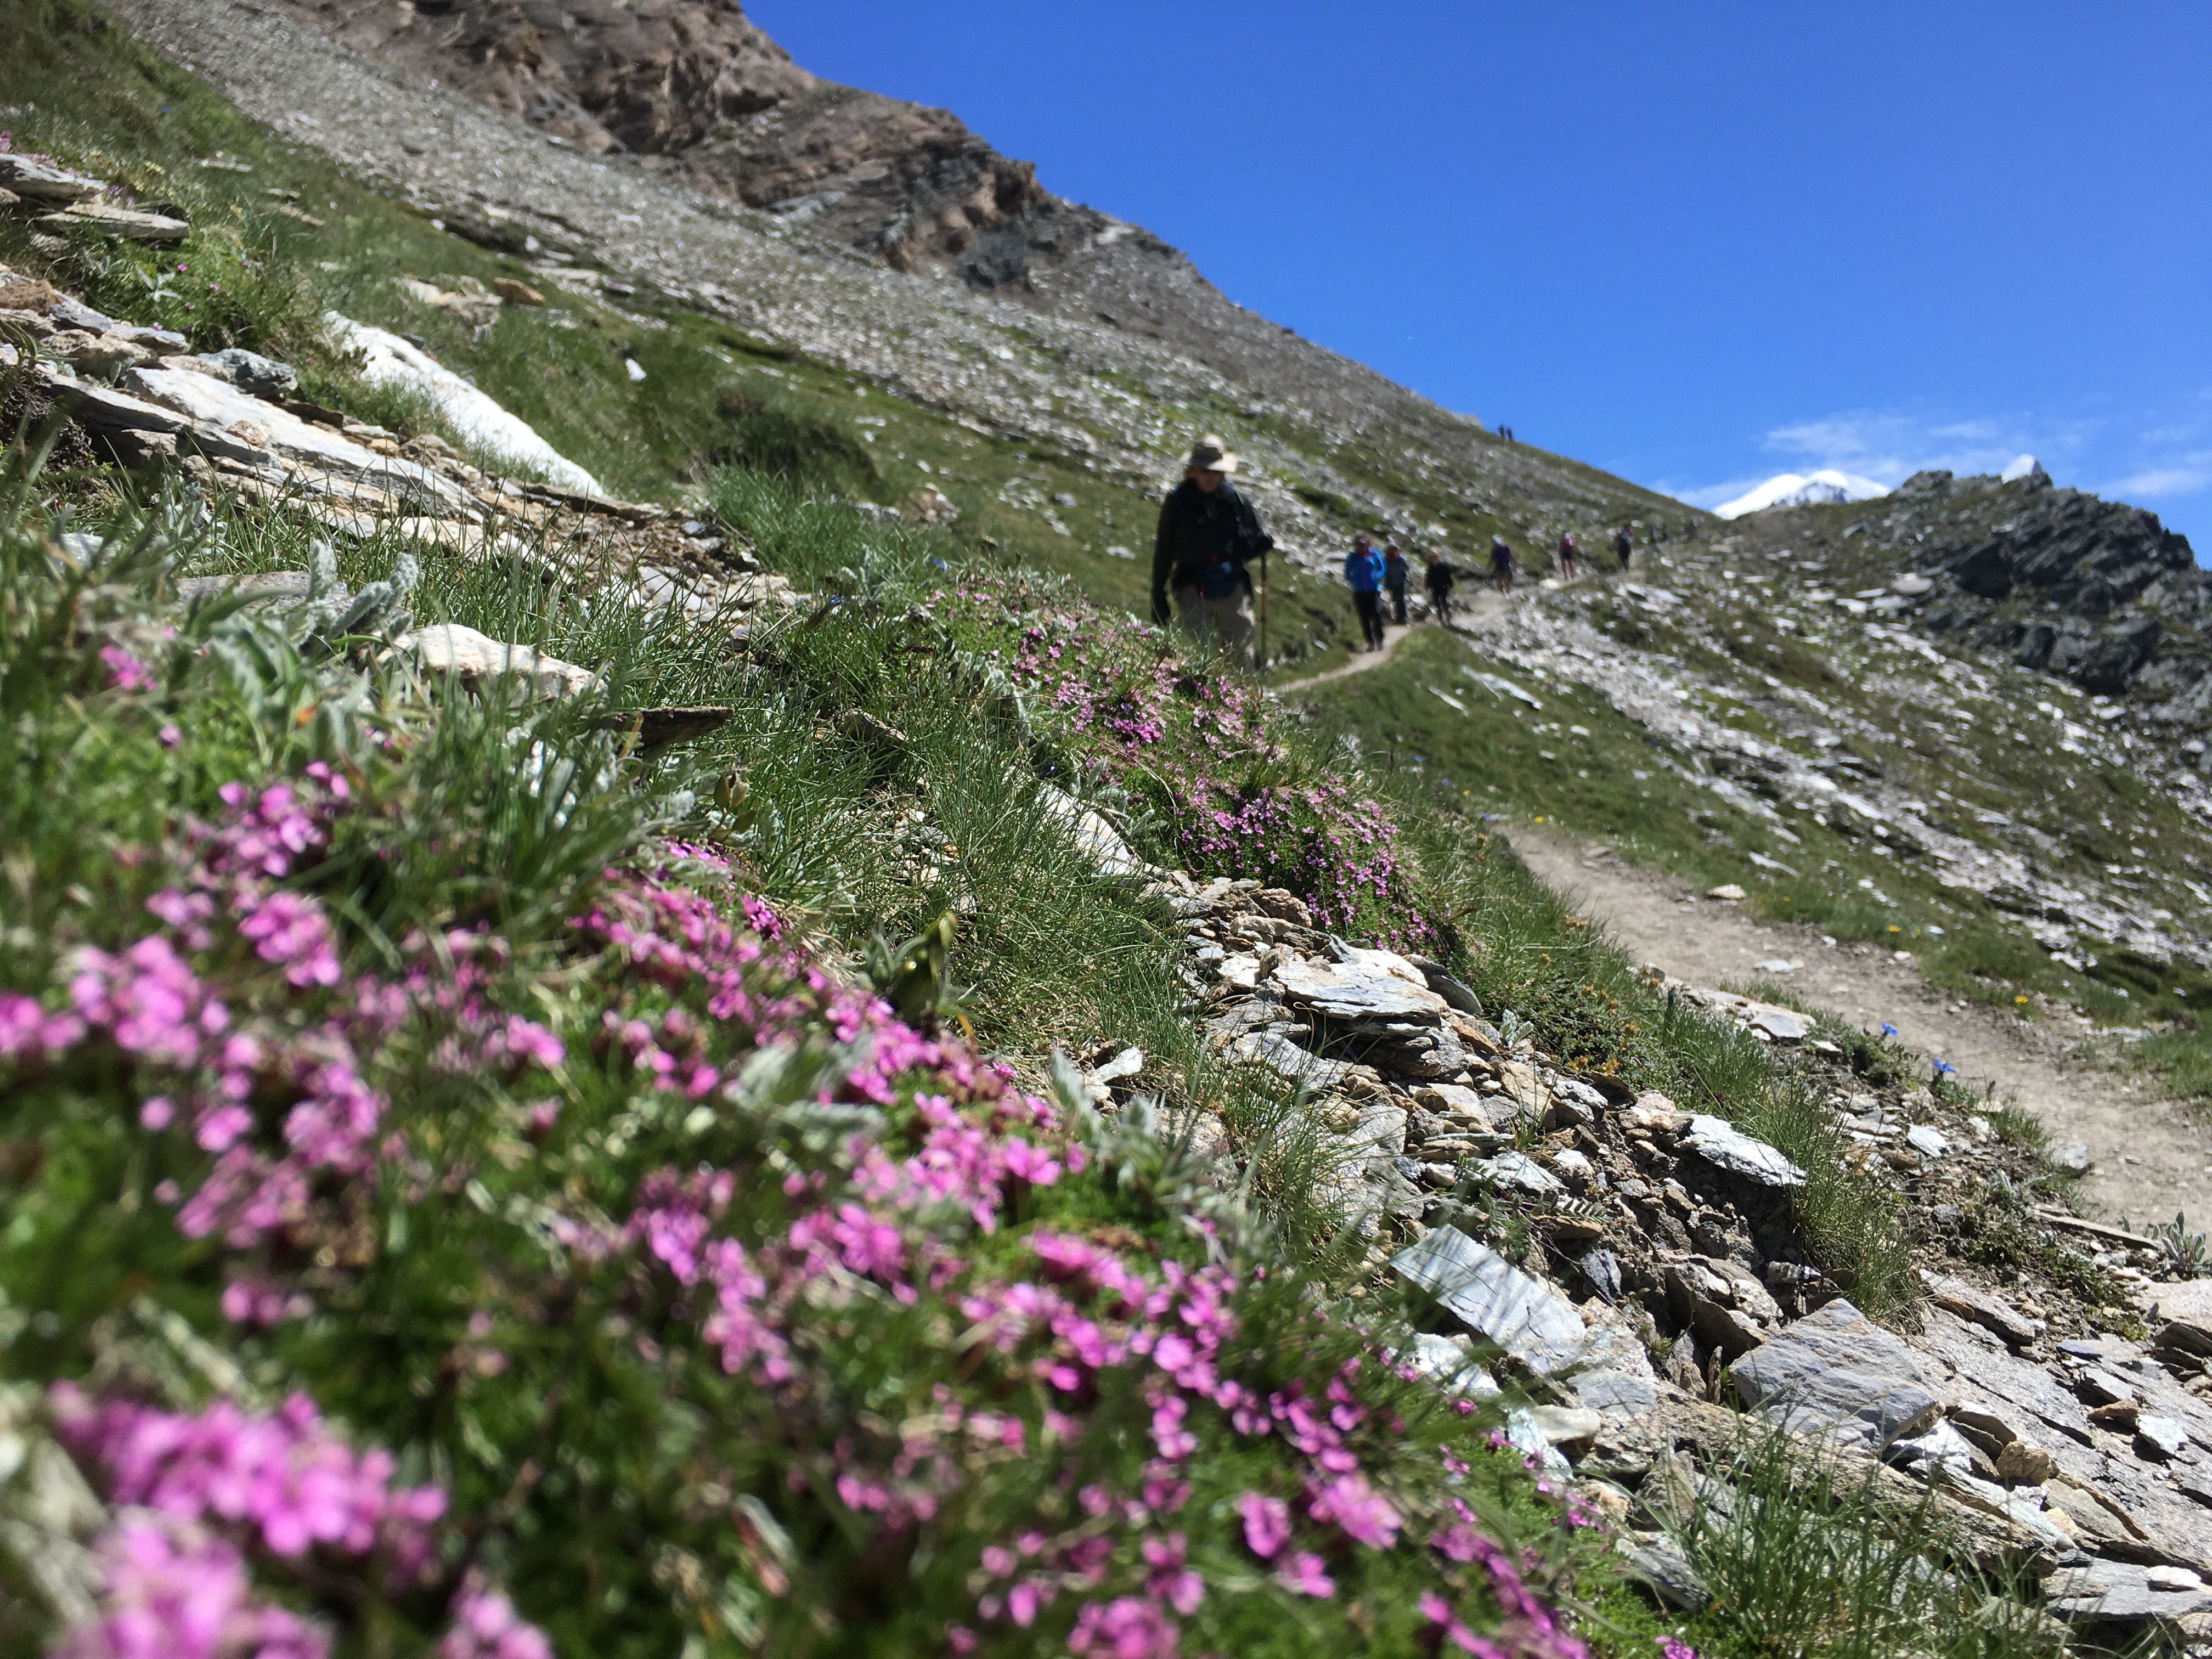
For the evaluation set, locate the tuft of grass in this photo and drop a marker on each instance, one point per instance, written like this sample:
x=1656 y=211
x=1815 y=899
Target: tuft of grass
x=1805 y=1553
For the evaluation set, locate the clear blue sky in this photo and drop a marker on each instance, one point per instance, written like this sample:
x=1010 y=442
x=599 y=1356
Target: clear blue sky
x=1693 y=244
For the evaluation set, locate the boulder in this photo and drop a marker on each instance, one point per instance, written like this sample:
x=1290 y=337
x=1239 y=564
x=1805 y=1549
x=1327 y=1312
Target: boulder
x=1836 y=1374
x=1495 y=1299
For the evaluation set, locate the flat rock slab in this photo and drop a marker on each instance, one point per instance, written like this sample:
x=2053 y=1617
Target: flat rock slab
x=2121 y=1593
x=1836 y=1374
x=1990 y=1312
x=1725 y=1147
x=1368 y=987
x=1494 y=1298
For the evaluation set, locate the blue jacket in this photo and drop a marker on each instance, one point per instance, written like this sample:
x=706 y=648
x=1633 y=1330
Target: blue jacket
x=1363 y=570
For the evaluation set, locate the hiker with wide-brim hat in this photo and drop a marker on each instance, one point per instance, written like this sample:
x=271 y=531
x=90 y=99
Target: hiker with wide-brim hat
x=1208 y=534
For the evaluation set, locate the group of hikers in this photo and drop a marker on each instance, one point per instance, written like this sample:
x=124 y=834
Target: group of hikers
x=1209 y=535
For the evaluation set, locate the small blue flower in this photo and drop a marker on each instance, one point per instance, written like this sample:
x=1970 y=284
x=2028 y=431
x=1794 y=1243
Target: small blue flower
x=1887 y=1029
x=1944 y=1068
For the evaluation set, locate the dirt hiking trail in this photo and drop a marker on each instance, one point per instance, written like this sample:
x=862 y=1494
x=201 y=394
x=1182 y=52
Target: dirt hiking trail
x=1466 y=607
x=2151 y=1155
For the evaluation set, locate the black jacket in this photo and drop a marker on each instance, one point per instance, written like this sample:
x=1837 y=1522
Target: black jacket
x=1198 y=530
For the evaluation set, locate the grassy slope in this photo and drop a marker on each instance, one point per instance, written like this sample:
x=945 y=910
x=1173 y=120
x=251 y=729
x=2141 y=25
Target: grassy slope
x=824 y=837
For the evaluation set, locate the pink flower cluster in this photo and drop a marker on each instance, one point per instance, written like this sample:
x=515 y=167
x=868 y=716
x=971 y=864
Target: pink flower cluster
x=1234 y=806
x=285 y=1481
x=200 y=1495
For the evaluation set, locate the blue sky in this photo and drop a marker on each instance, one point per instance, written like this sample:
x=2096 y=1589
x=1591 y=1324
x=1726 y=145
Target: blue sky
x=1693 y=244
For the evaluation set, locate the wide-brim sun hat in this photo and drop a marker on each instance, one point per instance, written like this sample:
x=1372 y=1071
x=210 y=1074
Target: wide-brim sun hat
x=1210 y=454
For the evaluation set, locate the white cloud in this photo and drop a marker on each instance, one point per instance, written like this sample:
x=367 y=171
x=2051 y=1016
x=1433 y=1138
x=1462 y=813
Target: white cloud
x=2185 y=480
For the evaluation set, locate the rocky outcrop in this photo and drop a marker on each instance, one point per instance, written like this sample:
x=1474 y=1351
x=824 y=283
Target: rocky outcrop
x=2058 y=580
x=698 y=89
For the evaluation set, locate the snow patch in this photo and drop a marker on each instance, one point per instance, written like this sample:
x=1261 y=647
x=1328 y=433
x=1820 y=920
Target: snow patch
x=2021 y=466
x=387 y=360
x=1801 y=489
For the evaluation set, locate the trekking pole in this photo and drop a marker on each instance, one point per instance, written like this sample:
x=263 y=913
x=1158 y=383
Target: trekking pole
x=1260 y=663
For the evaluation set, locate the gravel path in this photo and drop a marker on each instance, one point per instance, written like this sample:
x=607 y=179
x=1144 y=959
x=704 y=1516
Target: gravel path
x=2152 y=1156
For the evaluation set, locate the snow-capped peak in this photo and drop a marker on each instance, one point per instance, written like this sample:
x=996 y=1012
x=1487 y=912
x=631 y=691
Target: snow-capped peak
x=1801 y=489
x=2021 y=466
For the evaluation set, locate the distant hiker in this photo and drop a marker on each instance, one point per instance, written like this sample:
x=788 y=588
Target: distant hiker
x=1363 y=573
x=1208 y=533
x=1501 y=564
x=1570 y=550
x=1624 y=546
x=1438 y=578
x=1395 y=574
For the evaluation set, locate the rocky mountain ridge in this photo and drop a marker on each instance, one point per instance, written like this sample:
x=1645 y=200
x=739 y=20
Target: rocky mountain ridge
x=700 y=92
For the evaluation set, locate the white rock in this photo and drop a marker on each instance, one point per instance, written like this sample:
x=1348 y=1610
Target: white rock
x=1728 y=890
x=1370 y=986
x=1094 y=837
x=387 y=360
x=1523 y=1315
x=1518 y=1172
x=1927 y=1138
x=1724 y=1146
x=450 y=648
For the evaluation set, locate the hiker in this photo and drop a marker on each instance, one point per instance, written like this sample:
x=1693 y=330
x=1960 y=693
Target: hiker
x=1208 y=533
x=1438 y=578
x=1570 y=550
x=1395 y=574
x=1624 y=546
x=1501 y=564
x=1363 y=573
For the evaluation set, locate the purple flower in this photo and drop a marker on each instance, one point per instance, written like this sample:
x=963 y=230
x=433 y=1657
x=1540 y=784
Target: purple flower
x=1266 y=1524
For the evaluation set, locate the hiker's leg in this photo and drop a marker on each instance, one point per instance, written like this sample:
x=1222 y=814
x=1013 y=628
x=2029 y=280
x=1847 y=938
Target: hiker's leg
x=1231 y=617
x=1190 y=611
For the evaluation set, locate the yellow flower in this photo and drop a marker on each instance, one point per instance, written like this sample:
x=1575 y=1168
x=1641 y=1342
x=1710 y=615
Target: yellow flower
x=2017 y=1000
x=1894 y=928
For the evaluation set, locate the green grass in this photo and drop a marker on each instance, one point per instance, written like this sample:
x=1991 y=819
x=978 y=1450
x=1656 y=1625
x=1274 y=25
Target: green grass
x=1801 y=1555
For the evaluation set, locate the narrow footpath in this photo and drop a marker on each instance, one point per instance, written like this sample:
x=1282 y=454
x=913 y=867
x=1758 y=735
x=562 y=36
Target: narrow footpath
x=2150 y=1157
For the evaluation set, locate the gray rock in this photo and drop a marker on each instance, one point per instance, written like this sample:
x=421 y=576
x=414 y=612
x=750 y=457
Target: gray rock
x=1783 y=1024
x=1285 y=1058
x=1615 y=1393
x=1567 y=1428
x=1495 y=1299
x=39 y=181
x=1602 y=1268
x=2068 y=1155
x=251 y=372
x=1517 y=1172
x=1725 y=1147
x=1662 y=1568
x=1836 y=1374
x=1992 y=1313
x=1364 y=986
x=2160 y=1439
x=1939 y=1443
x=2118 y=1593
